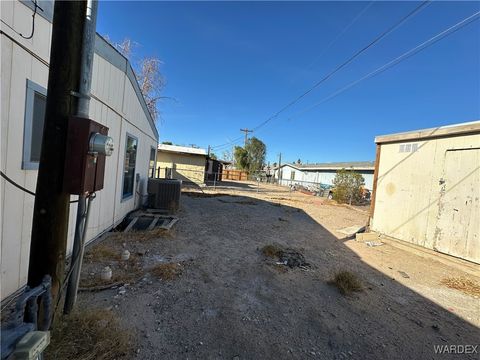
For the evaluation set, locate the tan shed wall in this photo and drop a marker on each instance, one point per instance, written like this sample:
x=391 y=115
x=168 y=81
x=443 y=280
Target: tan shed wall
x=186 y=167
x=417 y=189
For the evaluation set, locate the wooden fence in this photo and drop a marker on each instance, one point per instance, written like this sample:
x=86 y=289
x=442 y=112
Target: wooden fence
x=238 y=175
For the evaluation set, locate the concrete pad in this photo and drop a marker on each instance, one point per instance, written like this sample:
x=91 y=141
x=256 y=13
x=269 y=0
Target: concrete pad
x=352 y=230
x=367 y=236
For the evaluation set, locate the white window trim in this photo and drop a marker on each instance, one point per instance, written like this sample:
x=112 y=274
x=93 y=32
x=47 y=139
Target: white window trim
x=27 y=123
x=154 y=148
x=129 y=196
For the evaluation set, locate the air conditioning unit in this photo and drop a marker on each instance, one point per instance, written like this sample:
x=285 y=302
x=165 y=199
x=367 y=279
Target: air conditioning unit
x=164 y=194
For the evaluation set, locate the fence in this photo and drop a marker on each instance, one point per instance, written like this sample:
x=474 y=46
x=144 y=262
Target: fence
x=239 y=175
x=198 y=177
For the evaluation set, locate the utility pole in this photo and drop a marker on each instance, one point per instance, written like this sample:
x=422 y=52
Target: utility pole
x=246 y=131
x=51 y=209
x=83 y=108
x=279 y=165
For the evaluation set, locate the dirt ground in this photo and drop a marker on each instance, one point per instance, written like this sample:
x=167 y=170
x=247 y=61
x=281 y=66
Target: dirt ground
x=227 y=301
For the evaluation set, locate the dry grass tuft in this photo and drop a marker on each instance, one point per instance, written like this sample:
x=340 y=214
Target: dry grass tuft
x=346 y=282
x=119 y=276
x=102 y=252
x=465 y=285
x=272 y=251
x=167 y=271
x=141 y=235
x=88 y=335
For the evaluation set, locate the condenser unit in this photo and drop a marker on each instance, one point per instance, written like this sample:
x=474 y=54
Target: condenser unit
x=164 y=194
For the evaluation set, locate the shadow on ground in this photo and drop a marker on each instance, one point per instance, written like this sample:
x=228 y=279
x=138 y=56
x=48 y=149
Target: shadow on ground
x=230 y=303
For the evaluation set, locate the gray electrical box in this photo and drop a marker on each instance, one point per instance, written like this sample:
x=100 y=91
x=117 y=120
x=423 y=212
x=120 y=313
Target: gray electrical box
x=32 y=345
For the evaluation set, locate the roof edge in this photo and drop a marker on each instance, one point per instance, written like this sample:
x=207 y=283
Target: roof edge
x=106 y=51
x=472 y=127
x=333 y=166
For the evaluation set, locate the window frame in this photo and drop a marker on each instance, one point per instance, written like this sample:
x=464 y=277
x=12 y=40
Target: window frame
x=31 y=89
x=154 y=148
x=129 y=196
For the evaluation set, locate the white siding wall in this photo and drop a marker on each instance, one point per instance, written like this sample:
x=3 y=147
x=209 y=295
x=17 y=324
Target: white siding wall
x=114 y=104
x=318 y=177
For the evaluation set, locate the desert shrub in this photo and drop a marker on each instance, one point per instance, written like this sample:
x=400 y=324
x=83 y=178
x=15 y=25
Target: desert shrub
x=346 y=282
x=348 y=186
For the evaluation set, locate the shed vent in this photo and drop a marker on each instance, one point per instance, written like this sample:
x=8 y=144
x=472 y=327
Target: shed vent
x=411 y=147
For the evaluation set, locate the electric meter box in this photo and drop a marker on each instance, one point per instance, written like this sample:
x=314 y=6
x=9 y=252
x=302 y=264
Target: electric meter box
x=87 y=147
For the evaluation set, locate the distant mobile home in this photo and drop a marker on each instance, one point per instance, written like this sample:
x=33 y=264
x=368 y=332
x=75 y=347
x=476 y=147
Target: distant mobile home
x=116 y=102
x=427 y=189
x=324 y=173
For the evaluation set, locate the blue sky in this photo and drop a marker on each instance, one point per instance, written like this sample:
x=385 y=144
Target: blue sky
x=232 y=65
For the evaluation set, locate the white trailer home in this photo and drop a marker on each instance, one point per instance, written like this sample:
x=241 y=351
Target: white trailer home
x=116 y=102
x=312 y=174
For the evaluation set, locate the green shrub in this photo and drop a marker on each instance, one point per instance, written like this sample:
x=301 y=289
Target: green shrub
x=348 y=186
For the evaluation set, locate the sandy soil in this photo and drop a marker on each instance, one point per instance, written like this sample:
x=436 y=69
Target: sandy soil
x=230 y=303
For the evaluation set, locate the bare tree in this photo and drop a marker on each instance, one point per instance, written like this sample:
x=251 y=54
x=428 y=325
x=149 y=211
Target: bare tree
x=151 y=83
x=125 y=47
x=147 y=72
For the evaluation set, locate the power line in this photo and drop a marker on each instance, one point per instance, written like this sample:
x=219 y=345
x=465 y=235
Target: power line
x=35 y=7
x=340 y=34
x=348 y=61
x=339 y=67
x=2 y=174
x=18 y=186
x=449 y=31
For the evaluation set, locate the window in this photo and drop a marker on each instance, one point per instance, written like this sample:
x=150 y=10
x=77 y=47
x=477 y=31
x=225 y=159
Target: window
x=129 y=166
x=292 y=175
x=35 y=104
x=151 y=166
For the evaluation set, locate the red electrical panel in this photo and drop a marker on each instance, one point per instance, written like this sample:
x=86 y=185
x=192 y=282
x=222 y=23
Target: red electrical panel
x=84 y=170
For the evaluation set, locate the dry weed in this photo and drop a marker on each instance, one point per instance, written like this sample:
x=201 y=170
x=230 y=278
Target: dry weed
x=167 y=271
x=88 y=335
x=346 y=282
x=465 y=285
x=102 y=252
x=272 y=251
x=141 y=235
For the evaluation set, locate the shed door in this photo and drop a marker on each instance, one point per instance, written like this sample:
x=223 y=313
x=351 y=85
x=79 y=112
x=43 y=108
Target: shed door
x=458 y=225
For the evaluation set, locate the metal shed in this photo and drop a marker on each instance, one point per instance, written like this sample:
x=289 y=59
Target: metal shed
x=427 y=189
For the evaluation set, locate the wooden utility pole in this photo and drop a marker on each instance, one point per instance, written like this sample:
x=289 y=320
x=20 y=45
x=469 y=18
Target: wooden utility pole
x=246 y=131
x=279 y=165
x=51 y=209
